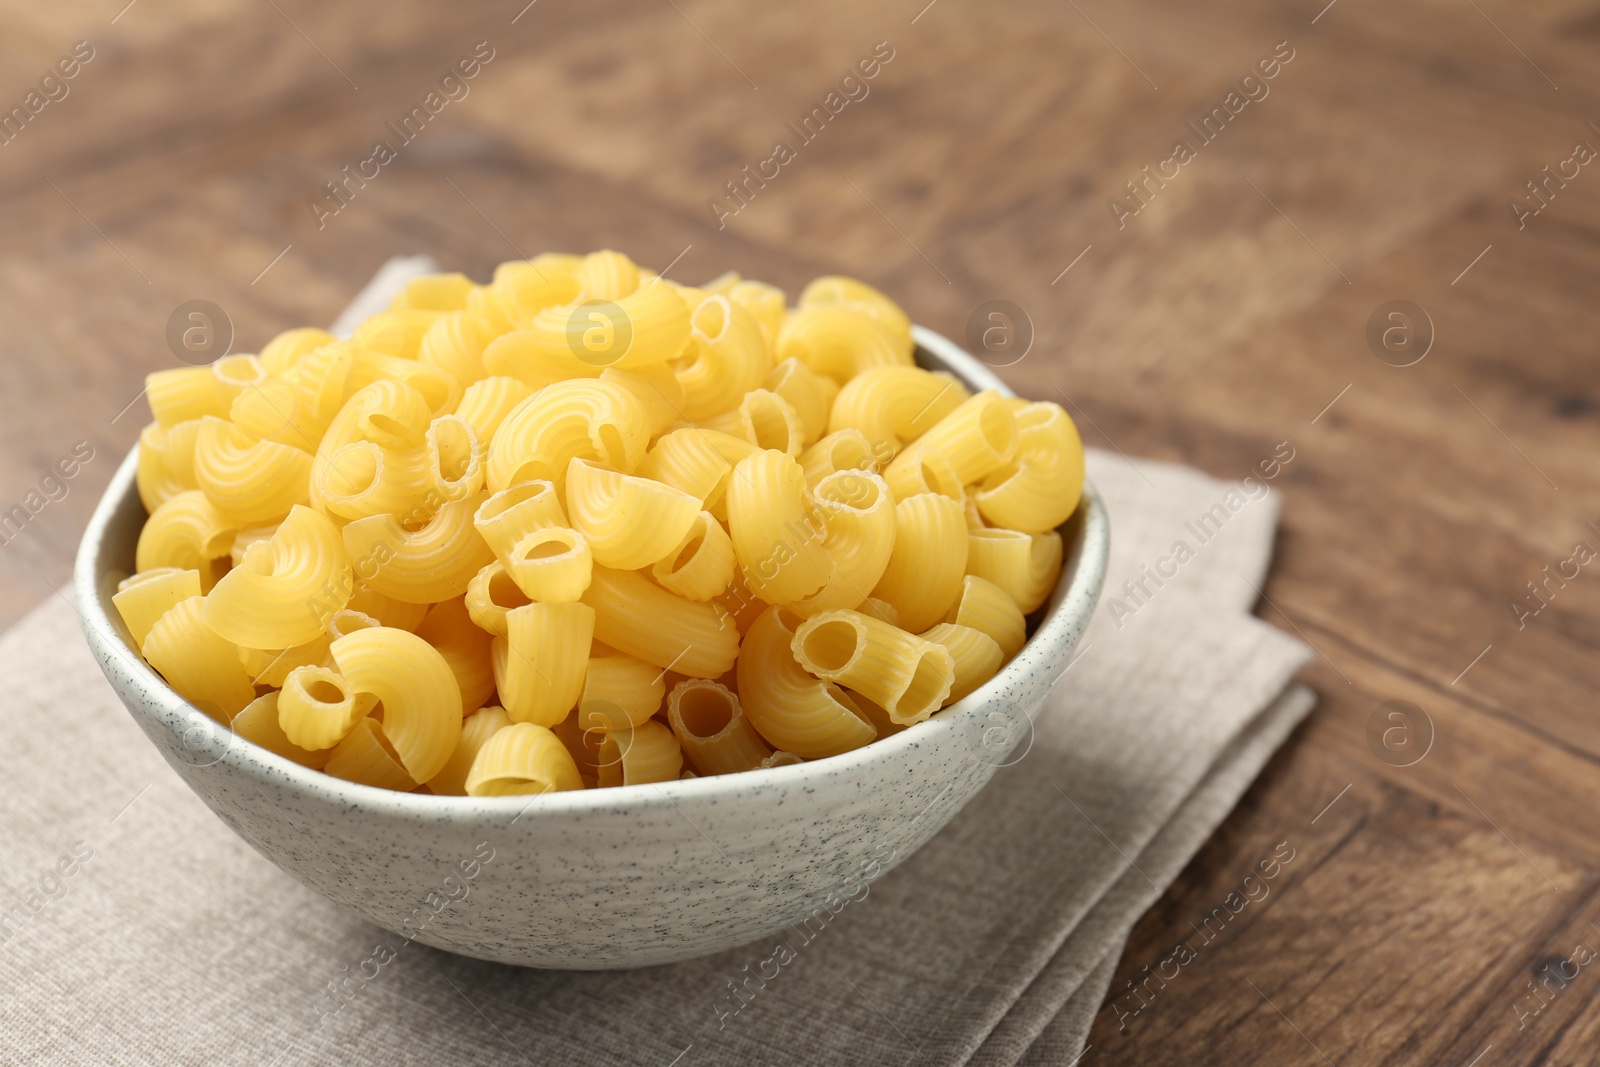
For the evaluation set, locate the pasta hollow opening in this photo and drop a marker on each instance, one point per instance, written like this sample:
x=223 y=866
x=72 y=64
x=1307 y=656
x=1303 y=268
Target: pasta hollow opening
x=453 y=440
x=348 y=621
x=323 y=691
x=852 y=488
x=710 y=319
x=380 y=736
x=769 y=426
x=691 y=548
x=547 y=545
x=705 y=711
x=833 y=645
x=239 y=371
x=613 y=450
x=999 y=428
x=389 y=431
x=930 y=684
x=940 y=477
x=503 y=592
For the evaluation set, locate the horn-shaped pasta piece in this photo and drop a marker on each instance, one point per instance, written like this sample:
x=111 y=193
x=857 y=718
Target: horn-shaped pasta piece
x=1026 y=566
x=166 y=462
x=629 y=522
x=733 y=448
x=592 y=420
x=364 y=479
x=539 y=664
x=646 y=326
x=190 y=533
x=931 y=473
x=766 y=420
x=551 y=565
x=688 y=459
x=658 y=319
x=606 y=275
x=835 y=289
x=632 y=615
x=248 y=479
x=522 y=289
x=455 y=457
x=438 y=388
x=840 y=341
x=985 y=607
x=322 y=376
x=646 y=753
x=490 y=595
x=841 y=450
x=923 y=577
x=909 y=677
x=975 y=654
x=485 y=301
x=778 y=549
x=857 y=513
x=277 y=411
x=702 y=564
x=727 y=357
x=389 y=413
x=143 y=598
x=284 y=591
x=619 y=691
x=316 y=709
x=767 y=304
x=185 y=393
x=793 y=710
x=977 y=438
x=476 y=730
x=534 y=360
x=367 y=757
x=520 y=759
x=809 y=393
x=199 y=663
x=421 y=701
x=511 y=514
x=893 y=406
x=1039 y=488
x=712 y=729
x=423 y=566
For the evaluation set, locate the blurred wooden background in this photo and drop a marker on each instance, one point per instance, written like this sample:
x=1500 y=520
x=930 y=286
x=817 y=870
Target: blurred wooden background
x=1227 y=316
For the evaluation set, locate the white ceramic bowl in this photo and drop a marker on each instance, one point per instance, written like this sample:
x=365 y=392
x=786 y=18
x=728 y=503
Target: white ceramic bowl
x=601 y=878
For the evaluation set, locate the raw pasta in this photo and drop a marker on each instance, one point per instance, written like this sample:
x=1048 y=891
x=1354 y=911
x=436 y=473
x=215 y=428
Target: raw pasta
x=583 y=526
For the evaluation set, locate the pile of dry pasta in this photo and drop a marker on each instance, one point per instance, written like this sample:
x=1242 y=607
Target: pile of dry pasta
x=584 y=526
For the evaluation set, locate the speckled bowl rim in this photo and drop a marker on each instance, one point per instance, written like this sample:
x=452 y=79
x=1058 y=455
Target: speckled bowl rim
x=1067 y=614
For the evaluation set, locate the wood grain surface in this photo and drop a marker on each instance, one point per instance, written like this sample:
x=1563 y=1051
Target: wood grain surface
x=1231 y=312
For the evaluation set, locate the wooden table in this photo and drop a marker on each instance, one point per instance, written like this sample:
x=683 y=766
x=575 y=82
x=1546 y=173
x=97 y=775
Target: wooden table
x=1229 y=313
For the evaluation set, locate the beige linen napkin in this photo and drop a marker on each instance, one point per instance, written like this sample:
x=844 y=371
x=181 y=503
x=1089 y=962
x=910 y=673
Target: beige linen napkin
x=135 y=928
